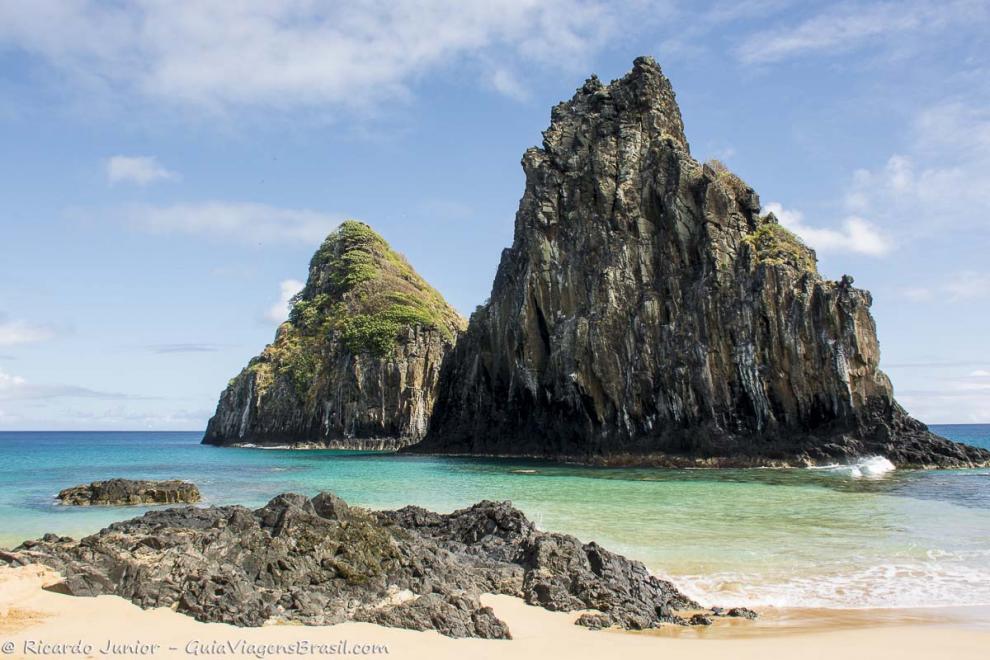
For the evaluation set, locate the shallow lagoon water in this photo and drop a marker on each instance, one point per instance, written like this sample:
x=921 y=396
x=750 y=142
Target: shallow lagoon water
x=836 y=537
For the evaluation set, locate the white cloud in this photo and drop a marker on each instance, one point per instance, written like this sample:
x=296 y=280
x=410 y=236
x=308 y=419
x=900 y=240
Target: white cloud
x=924 y=199
x=221 y=55
x=506 y=83
x=980 y=373
x=10 y=383
x=278 y=312
x=857 y=235
x=140 y=170
x=849 y=26
x=14 y=331
x=242 y=221
x=938 y=186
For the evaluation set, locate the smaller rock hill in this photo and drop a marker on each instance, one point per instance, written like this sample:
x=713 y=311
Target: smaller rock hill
x=356 y=364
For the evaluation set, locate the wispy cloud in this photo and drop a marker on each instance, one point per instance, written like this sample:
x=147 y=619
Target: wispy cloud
x=951 y=400
x=18 y=388
x=115 y=417
x=240 y=221
x=856 y=235
x=184 y=348
x=946 y=391
x=933 y=364
x=447 y=209
x=968 y=285
x=279 y=311
x=506 y=83
x=15 y=331
x=962 y=286
x=848 y=26
x=222 y=55
x=140 y=170
x=694 y=30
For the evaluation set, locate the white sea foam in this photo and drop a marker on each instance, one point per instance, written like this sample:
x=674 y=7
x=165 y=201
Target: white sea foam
x=898 y=585
x=870 y=467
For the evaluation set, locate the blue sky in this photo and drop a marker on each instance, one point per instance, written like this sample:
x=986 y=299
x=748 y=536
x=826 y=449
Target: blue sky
x=168 y=169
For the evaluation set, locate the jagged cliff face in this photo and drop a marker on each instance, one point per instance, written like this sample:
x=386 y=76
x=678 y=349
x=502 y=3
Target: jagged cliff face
x=357 y=363
x=647 y=311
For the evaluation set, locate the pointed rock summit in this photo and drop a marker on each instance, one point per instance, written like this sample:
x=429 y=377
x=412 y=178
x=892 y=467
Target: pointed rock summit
x=648 y=312
x=355 y=366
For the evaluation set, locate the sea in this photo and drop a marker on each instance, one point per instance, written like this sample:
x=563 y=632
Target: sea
x=847 y=536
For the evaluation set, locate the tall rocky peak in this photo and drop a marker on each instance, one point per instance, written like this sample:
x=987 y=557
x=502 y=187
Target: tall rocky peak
x=648 y=312
x=356 y=364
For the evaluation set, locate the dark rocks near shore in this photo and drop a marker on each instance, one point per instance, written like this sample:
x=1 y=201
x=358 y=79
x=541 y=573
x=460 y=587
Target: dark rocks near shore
x=130 y=492
x=319 y=561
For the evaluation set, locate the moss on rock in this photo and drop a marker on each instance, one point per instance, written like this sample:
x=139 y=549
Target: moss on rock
x=775 y=245
x=360 y=293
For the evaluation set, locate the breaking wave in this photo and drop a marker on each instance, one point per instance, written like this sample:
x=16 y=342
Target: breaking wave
x=870 y=467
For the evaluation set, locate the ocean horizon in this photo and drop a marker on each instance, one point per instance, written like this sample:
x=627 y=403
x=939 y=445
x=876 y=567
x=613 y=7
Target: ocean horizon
x=845 y=536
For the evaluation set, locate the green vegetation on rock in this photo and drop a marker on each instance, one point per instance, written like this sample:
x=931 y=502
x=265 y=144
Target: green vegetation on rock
x=775 y=245
x=360 y=293
x=726 y=177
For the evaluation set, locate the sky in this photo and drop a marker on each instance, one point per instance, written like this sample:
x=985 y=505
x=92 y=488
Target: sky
x=167 y=169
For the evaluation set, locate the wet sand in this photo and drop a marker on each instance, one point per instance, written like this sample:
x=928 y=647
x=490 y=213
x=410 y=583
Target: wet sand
x=31 y=617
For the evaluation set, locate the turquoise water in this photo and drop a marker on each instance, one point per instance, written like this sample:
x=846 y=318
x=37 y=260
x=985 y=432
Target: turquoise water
x=814 y=538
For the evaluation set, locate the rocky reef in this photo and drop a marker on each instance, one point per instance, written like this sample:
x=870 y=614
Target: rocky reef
x=126 y=492
x=355 y=366
x=649 y=312
x=319 y=561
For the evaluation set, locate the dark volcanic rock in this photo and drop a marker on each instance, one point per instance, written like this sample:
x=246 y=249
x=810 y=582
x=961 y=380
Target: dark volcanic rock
x=647 y=312
x=355 y=366
x=320 y=561
x=741 y=612
x=117 y=492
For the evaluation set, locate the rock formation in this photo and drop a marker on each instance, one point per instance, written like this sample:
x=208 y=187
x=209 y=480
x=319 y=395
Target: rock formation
x=356 y=364
x=319 y=561
x=648 y=312
x=124 y=492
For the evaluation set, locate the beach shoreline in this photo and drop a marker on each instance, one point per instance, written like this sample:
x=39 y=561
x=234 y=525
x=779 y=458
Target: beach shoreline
x=32 y=617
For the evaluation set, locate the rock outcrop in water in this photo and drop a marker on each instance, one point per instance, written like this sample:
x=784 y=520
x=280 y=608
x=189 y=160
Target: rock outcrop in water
x=127 y=492
x=649 y=312
x=355 y=366
x=319 y=561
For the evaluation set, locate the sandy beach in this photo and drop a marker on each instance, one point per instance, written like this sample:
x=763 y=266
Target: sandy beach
x=35 y=622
